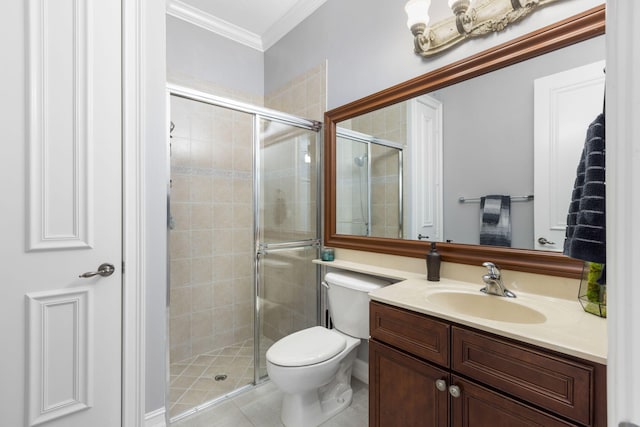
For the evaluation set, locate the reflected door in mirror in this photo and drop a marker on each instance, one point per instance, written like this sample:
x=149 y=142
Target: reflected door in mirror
x=565 y=104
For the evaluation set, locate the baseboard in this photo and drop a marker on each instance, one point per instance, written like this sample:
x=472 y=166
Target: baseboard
x=361 y=370
x=155 y=418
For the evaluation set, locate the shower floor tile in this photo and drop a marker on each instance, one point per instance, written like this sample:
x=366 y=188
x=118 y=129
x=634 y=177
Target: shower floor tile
x=193 y=381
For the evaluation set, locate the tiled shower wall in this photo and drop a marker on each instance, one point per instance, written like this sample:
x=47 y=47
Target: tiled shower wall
x=211 y=243
x=389 y=123
x=351 y=186
x=211 y=240
x=305 y=96
x=385 y=191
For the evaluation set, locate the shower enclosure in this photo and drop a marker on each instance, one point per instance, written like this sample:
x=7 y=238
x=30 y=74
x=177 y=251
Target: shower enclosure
x=369 y=185
x=243 y=229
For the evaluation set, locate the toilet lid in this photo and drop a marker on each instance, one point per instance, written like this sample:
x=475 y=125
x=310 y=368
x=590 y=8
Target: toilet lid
x=306 y=347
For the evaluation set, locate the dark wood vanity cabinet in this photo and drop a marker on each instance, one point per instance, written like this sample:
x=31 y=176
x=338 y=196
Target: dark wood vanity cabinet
x=425 y=371
x=404 y=390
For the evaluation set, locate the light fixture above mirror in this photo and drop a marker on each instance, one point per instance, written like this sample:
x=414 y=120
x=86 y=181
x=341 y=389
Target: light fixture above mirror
x=471 y=18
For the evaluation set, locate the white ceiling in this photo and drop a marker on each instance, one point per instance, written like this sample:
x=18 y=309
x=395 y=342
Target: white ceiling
x=256 y=23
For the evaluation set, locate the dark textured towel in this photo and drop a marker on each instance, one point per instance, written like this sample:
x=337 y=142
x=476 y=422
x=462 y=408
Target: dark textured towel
x=495 y=231
x=586 y=220
x=491 y=209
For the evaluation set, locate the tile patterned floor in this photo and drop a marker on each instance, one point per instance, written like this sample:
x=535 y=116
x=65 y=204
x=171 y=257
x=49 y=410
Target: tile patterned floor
x=260 y=407
x=193 y=382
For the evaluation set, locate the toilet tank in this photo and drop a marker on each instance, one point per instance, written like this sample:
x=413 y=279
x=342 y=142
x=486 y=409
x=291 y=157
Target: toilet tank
x=348 y=296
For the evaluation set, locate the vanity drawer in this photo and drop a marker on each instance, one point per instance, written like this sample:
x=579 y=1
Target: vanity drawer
x=415 y=333
x=561 y=385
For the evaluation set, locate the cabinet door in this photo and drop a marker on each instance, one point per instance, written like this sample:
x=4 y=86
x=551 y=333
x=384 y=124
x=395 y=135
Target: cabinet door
x=402 y=390
x=478 y=406
x=557 y=384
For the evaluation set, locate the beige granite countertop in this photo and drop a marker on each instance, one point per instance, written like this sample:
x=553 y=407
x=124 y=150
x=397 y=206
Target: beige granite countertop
x=566 y=329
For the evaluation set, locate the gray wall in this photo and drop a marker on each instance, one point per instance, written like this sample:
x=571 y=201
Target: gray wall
x=193 y=52
x=489 y=140
x=369 y=48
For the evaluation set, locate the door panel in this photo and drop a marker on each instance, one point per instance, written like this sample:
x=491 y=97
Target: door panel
x=287 y=232
x=565 y=104
x=352 y=189
x=424 y=204
x=385 y=199
x=287 y=296
x=407 y=386
x=288 y=175
x=61 y=178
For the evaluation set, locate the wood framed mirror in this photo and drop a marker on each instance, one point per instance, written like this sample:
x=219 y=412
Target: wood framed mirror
x=567 y=32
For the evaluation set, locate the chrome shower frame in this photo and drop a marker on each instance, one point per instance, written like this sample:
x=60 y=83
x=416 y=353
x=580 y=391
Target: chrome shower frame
x=368 y=140
x=260 y=248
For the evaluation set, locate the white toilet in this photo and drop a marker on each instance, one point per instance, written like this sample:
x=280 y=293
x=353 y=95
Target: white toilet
x=313 y=366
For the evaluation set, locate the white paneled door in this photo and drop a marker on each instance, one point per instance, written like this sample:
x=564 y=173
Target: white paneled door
x=565 y=104
x=424 y=130
x=60 y=167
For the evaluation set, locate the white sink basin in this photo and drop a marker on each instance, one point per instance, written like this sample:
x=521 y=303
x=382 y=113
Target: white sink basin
x=490 y=307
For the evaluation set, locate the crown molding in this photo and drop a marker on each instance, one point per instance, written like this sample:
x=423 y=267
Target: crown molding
x=179 y=9
x=289 y=21
x=195 y=16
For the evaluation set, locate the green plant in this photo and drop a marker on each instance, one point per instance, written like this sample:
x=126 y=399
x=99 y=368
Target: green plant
x=593 y=287
x=594 y=299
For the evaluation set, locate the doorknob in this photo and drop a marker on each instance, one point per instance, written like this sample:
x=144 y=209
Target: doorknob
x=544 y=241
x=104 y=270
x=454 y=391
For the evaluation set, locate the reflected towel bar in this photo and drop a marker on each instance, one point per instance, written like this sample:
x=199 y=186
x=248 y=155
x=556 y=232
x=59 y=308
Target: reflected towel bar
x=513 y=199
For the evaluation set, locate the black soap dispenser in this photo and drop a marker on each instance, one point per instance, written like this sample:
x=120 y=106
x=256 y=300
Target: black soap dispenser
x=433 y=264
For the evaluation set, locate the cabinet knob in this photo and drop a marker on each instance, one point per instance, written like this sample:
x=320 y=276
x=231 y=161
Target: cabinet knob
x=441 y=385
x=454 y=391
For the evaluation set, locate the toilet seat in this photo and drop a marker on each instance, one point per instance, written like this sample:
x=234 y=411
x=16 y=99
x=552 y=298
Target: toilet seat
x=307 y=347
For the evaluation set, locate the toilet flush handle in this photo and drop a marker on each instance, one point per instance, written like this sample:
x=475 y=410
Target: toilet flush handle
x=325 y=284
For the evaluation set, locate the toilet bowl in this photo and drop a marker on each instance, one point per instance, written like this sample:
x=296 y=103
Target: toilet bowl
x=314 y=392
x=313 y=367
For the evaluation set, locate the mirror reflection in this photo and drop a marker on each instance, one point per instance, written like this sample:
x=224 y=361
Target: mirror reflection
x=428 y=168
x=369 y=181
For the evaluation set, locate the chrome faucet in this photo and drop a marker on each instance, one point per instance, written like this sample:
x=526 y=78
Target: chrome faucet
x=493 y=281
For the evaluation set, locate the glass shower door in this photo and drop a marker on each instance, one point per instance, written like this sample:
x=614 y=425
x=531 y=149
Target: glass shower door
x=287 y=232
x=369 y=188
x=211 y=255
x=353 y=215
